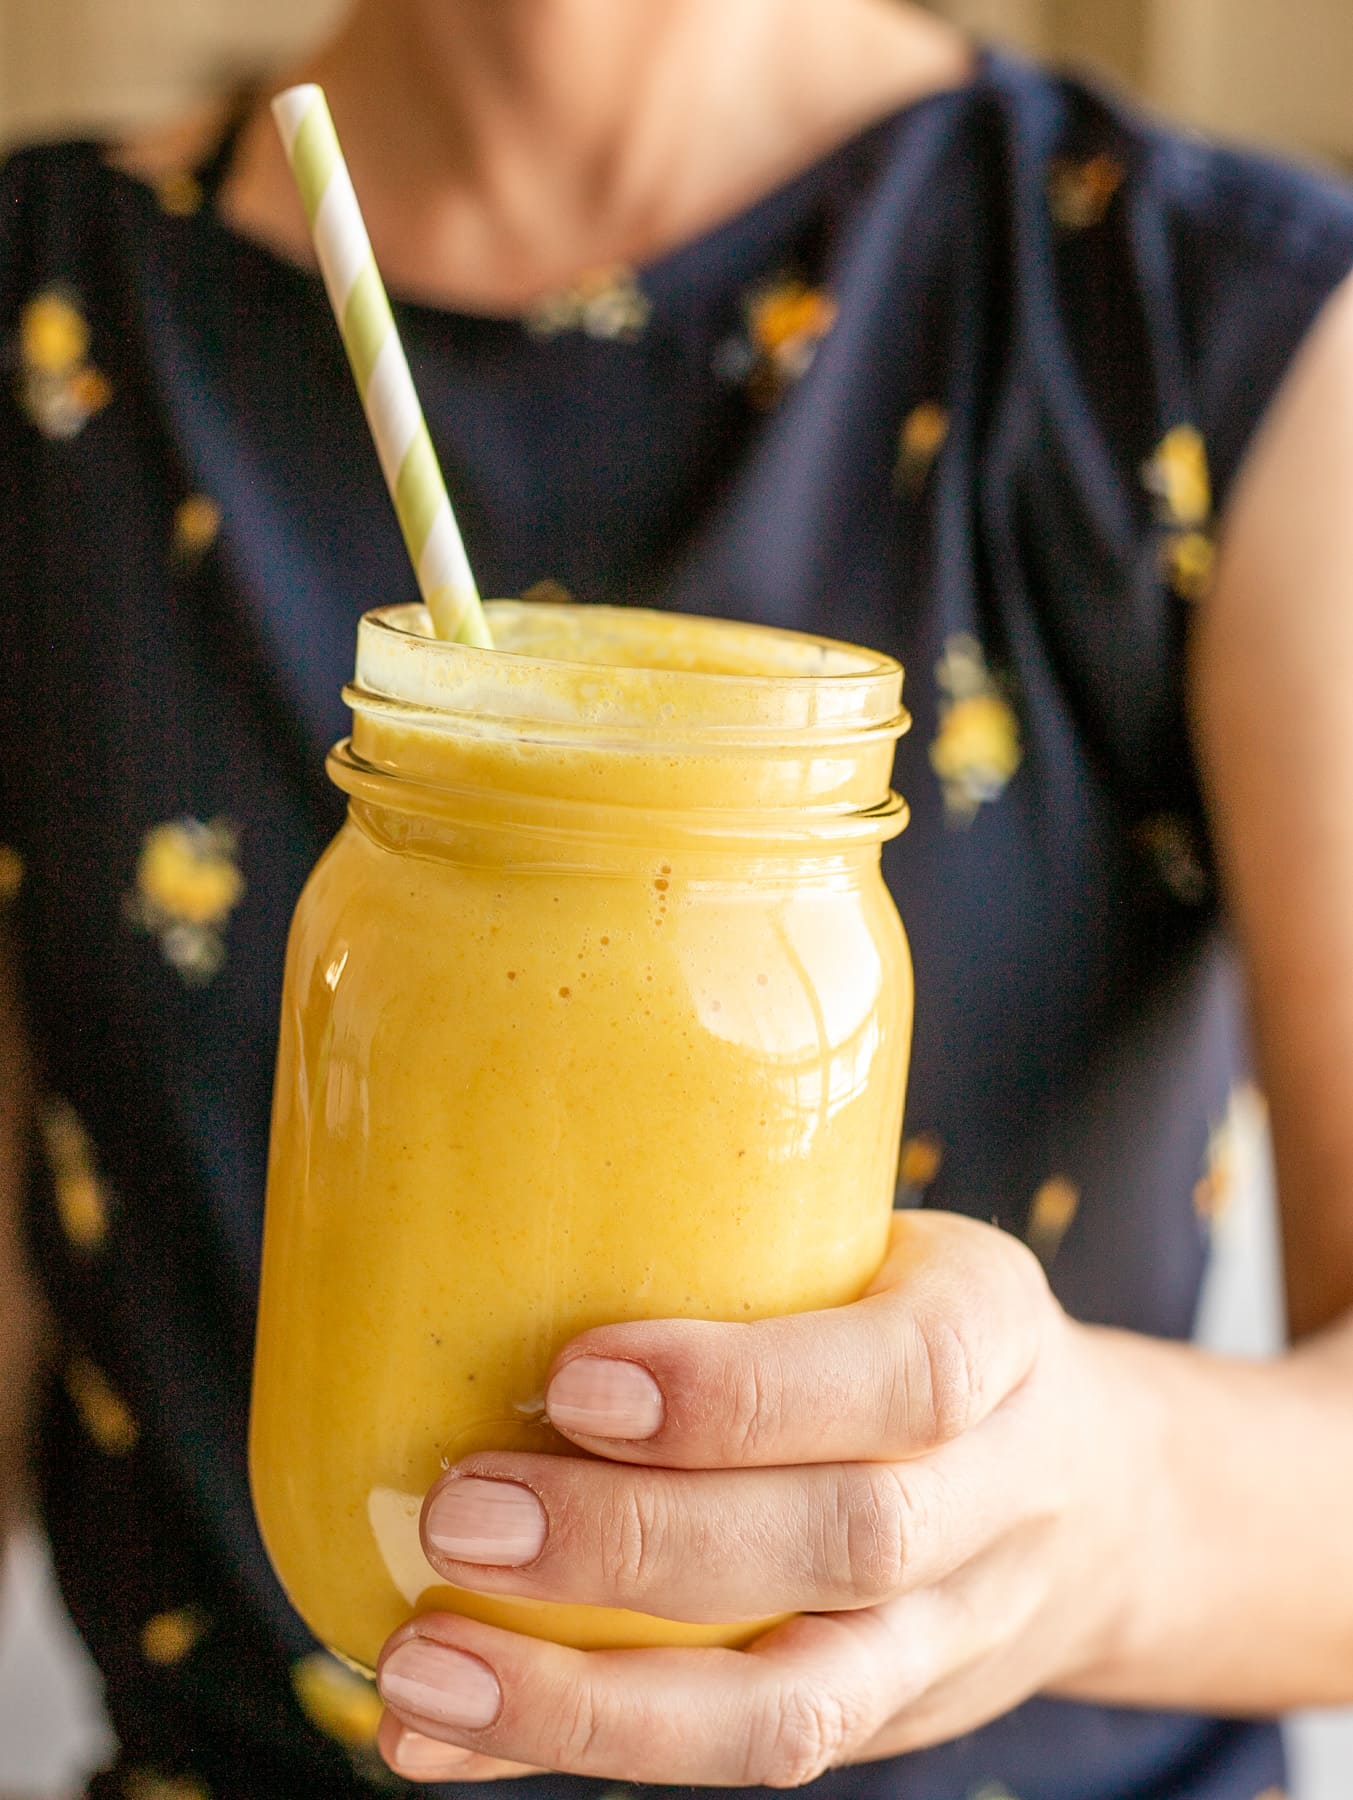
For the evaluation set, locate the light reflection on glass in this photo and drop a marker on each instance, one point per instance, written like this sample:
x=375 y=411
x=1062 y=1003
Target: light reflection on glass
x=806 y=1003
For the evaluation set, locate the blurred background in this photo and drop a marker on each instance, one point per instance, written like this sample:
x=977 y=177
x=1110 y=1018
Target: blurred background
x=1274 y=72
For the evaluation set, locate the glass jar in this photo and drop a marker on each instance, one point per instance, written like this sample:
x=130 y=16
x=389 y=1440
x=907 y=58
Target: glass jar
x=596 y=1009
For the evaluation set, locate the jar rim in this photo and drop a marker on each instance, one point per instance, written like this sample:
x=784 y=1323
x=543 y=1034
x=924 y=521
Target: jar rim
x=617 y=669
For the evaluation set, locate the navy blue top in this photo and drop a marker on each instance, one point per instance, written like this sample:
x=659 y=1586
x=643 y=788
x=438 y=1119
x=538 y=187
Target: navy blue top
x=972 y=389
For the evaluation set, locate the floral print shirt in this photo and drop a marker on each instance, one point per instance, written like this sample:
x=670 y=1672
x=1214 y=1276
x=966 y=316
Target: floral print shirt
x=972 y=389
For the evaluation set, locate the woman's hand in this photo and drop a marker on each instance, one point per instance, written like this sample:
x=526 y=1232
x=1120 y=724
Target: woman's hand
x=939 y=1480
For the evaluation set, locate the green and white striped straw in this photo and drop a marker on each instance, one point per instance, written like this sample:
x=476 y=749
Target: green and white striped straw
x=367 y=325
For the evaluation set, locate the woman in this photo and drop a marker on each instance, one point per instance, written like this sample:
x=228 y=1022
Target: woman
x=805 y=311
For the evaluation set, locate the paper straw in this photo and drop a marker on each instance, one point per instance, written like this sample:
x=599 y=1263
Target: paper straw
x=367 y=326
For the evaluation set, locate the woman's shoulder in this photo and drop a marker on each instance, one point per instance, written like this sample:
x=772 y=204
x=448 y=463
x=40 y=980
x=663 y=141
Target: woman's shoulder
x=1088 y=145
x=55 y=195
x=1162 y=279
x=75 y=173
x=33 y=177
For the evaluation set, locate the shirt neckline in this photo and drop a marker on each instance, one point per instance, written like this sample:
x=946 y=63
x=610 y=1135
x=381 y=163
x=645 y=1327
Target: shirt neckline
x=662 y=278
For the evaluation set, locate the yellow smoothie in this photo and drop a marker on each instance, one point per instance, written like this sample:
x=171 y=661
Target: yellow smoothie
x=596 y=1009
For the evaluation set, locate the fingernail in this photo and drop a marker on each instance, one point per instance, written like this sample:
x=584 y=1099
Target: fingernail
x=499 y=1523
x=415 y=1754
x=593 y=1397
x=440 y=1684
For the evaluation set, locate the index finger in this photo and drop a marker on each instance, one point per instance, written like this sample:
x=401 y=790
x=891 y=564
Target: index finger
x=950 y=1326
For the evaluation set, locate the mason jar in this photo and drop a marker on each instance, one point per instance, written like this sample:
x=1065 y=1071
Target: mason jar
x=596 y=1009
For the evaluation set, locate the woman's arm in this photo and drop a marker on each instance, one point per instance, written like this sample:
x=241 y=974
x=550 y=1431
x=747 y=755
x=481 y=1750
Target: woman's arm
x=1241 y=1596
x=1273 y=701
x=1251 y=1601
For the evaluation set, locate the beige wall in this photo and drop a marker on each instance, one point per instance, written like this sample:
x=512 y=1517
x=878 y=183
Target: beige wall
x=1109 y=32
x=97 y=63
x=1285 y=75
x=1277 y=70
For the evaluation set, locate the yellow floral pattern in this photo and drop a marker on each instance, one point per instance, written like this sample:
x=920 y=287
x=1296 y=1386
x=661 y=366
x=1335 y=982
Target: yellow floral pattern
x=1190 y=564
x=1052 y=1213
x=1179 y=478
x=169 y=1637
x=80 y=1202
x=179 y=193
x=341 y=1704
x=1169 y=841
x=549 y=593
x=1080 y=192
x=977 y=749
x=784 y=323
x=103 y=1413
x=53 y=333
x=147 y=1784
x=922 y=437
x=1229 y=1159
x=11 y=874
x=197 y=525
x=608 y=303
x=918 y=1166
x=188 y=883
x=59 y=389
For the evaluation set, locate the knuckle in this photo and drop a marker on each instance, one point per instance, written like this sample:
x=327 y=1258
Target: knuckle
x=756 y=1406
x=810 y=1731
x=873 y=1529
x=944 y=1382
x=577 y=1726
x=632 y=1529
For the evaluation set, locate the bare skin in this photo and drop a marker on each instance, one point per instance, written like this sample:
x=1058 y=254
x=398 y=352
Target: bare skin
x=554 y=139
x=968 y=1496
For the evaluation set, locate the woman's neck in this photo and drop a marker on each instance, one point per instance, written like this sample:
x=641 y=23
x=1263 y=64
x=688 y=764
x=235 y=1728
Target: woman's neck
x=502 y=148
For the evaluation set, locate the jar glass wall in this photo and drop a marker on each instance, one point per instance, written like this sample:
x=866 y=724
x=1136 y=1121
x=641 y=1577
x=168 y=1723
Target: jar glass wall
x=596 y=1009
